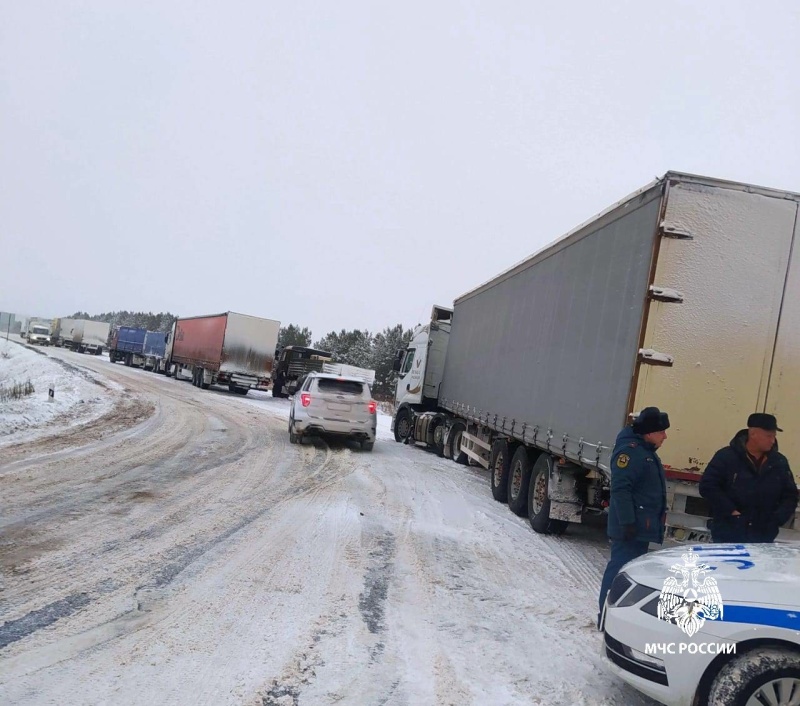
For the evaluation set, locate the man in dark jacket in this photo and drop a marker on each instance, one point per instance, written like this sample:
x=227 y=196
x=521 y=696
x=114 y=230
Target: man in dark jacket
x=749 y=485
x=638 y=493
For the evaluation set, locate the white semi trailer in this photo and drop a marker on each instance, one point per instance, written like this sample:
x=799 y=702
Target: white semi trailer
x=685 y=295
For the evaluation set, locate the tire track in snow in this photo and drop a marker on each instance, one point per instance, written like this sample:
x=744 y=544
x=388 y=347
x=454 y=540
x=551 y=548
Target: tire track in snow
x=185 y=555
x=14 y=630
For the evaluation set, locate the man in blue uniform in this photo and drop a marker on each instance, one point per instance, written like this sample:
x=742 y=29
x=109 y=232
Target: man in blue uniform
x=749 y=485
x=638 y=493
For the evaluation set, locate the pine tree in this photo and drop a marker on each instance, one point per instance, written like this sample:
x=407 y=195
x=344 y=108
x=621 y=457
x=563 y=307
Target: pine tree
x=384 y=349
x=292 y=335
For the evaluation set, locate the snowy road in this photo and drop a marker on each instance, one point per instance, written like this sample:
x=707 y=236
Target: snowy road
x=194 y=556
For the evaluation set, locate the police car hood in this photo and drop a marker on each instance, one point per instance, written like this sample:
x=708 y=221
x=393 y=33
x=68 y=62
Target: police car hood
x=767 y=573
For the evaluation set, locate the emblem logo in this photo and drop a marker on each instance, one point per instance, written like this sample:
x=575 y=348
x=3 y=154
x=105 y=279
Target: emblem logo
x=689 y=597
x=622 y=460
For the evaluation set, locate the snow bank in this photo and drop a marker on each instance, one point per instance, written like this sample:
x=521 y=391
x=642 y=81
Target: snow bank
x=79 y=396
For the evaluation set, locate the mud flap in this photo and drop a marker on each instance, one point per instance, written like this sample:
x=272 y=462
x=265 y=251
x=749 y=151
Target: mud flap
x=569 y=512
x=565 y=503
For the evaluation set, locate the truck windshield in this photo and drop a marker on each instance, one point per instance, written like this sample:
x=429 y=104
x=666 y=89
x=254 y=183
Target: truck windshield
x=41 y=330
x=409 y=361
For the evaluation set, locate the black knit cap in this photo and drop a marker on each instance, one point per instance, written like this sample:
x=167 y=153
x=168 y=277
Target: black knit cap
x=650 y=419
x=763 y=421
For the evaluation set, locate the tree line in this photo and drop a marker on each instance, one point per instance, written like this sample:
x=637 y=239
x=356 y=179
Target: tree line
x=135 y=319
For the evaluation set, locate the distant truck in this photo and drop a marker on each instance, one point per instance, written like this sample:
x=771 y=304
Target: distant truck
x=61 y=331
x=684 y=295
x=155 y=345
x=88 y=336
x=126 y=344
x=229 y=349
x=294 y=363
x=38 y=332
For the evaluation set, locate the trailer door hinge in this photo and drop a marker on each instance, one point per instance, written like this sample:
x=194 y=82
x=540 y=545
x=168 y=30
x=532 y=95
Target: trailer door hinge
x=651 y=357
x=673 y=232
x=665 y=294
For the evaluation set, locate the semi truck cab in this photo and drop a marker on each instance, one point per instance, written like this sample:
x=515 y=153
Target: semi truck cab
x=420 y=367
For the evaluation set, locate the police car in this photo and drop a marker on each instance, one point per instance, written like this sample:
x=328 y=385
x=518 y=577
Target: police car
x=708 y=625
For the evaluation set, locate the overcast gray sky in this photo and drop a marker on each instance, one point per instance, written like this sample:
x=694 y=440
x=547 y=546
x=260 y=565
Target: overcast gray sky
x=347 y=164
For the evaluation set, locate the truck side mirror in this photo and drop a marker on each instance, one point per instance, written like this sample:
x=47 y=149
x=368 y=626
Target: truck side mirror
x=398 y=361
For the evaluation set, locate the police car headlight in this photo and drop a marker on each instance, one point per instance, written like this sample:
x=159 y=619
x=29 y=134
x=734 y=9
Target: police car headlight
x=619 y=586
x=635 y=595
x=651 y=607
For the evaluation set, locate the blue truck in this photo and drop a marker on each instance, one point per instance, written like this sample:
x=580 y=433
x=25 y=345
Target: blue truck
x=155 y=344
x=127 y=345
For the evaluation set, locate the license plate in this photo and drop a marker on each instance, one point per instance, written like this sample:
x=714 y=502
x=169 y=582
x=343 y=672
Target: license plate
x=334 y=407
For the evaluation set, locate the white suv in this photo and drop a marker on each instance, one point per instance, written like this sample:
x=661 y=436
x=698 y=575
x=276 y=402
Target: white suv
x=336 y=406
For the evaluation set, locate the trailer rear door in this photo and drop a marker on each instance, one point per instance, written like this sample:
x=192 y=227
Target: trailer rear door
x=726 y=251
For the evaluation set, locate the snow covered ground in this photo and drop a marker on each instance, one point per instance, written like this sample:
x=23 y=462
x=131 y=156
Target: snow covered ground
x=80 y=396
x=198 y=557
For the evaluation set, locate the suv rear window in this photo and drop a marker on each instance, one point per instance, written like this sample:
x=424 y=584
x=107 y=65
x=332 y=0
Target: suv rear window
x=340 y=387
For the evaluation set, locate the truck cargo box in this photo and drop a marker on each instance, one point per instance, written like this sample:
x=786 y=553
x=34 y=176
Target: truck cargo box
x=89 y=336
x=128 y=340
x=62 y=331
x=155 y=343
x=225 y=348
x=685 y=295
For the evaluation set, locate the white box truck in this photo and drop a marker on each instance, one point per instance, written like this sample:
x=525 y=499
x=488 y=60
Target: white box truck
x=88 y=336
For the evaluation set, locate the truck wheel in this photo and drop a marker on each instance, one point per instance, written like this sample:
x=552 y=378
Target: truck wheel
x=438 y=437
x=519 y=478
x=201 y=374
x=499 y=463
x=402 y=425
x=128 y=361
x=456 y=432
x=538 y=500
x=768 y=675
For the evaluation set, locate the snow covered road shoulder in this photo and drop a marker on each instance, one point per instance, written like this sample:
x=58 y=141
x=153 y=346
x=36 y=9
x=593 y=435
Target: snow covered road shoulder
x=80 y=396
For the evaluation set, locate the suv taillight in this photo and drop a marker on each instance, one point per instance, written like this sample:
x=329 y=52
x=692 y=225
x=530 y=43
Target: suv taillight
x=372 y=406
x=305 y=399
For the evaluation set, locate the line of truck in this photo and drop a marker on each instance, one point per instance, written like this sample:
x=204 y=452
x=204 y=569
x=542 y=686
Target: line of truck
x=685 y=295
x=78 y=334
x=233 y=350
x=229 y=349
